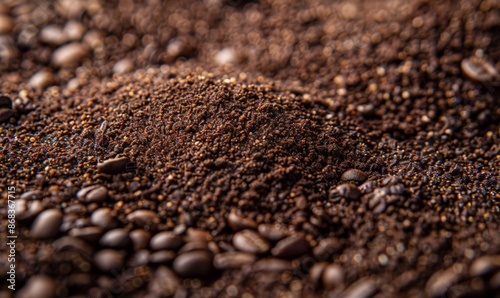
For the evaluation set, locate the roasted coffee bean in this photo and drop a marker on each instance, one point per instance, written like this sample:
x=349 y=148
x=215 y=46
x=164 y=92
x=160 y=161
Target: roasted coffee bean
x=6 y=102
x=109 y=259
x=72 y=243
x=368 y=186
x=140 y=238
x=47 y=224
x=333 y=276
x=485 y=265
x=53 y=35
x=42 y=79
x=196 y=235
x=162 y=257
x=192 y=246
x=103 y=218
x=94 y=193
x=5 y=114
x=478 y=69
x=74 y=30
x=364 y=288
x=140 y=258
x=354 y=175
x=272 y=232
x=291 y=247
x=271 y=265
x=348 y=191
x=316 y=273
x=233 y=260
x=164 y=282
x=166 y=240
x=238 y=222
x=143 y=217
x=326 y=248
x=440 y=282
x=89 y=234
x=115 y=166
x=6 y=24
x=249 y=241
x=117 y=238
x=69 y=55
x=123 y=66
x=40 y=286
x=195 y=264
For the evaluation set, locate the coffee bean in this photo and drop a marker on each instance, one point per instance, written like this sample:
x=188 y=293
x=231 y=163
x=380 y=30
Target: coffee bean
x=273 y=232
x=140 y=238
x=72 y=243
x=89 y=234
x=250 y=241
x=316 y=273
x=326 y=248
x=74 y=30
x=42 y=79
x=192 y=246
x=494 y=282
x=233 y=260
x=271 y=265
x=291 y=247
x=39 y=286
x=164 y=282
x=162 y=257
x=6 y=24
x=103 y=218
x=94 y=193
x=117 y=238
x=364 y=288
x=29 y=214
x=140 y=258
x=195 y=235
x=478 y=69
x=5 y=114
x=484 y=265
x=226 y=56
x=69 y=55
x=123 y=66
x=368 y=186
x=238 y=222
x=354 y=175
x=109 y=259
x=6 y=102
x=53 y=35
x=440 y=282
x=115 y=166
x=143 y=217
x=333 y=276
x=47 y=224
x=348 y=191
x=166 y=240
x=196 y=264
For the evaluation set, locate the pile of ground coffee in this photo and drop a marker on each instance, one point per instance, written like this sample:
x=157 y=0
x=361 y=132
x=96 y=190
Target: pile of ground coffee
x=221 y=148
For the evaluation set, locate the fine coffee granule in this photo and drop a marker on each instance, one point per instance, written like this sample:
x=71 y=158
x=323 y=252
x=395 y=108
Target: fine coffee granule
x=251 y=148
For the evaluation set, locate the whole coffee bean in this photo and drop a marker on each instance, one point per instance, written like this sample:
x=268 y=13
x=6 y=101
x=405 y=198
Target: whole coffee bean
x=94 y=193
x=39 y=286
x=123 y=66
x=162 y=257
x=103 y=218
x=272 y=232
x=195 y=264
x=348 y=191
x=196 y=235
x=109 y=259
x=250 y=241
x=164 y=282
x=115 y=166
x=72 y=243
x=74 y=30
x=166 y=240
x=478 y=69
x=53 y=35
x=143 y=217
x=5 y=114
x=326 y=248
x=271 y=265
x=140 y=258
x=368 y=186
x=192 y=246
x=484 y=265
x=42 y=79
x=354 y=175
x=233 y=260
x=333 y=276
x=117 y=238
x=364 y=288
x=6 y=24
x=6 y=102
x=140 y=238
x=316 y=273
x=494 y=282
x=440 y=282
x=89 y=234
x=69 y=55
x=291 y=247
x=238 y=222
x=47 y=224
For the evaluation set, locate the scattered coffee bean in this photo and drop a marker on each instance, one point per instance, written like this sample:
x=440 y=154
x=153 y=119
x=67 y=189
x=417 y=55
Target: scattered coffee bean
x=5 y=114
x=364 y=288
x=115 y=166
x=484 y=265
x=47 y=224
x=192 y=246
x=40 y=286
x=6 y=24
x=354 y=175
x=440 y=282
x=166 y=240
x=249 y=241
x=140 y=238
x=333 y=276
x=238 y=222
x=74 y=30
x=42 y=79
x=316 y=273
x=143 y=217
x=197 y=235
x=291 y=247
x=5 y=102
x=478 y=69
x=89 y=234
x=164 y=282
x=348 y=191
x=272 y=232
x=103 y=218
x=140 y=258
x=109 y=259
x=326 y=248
x=196 y=264
x=233 y=260
x=53 y=35
x=69 y=55
x=123 y=66
x=162 y=257
x=72 y=243
x=117 y=238
x=271 y=265
x=94 y=193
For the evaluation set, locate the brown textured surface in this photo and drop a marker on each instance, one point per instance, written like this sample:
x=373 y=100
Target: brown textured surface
x=238 y=171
